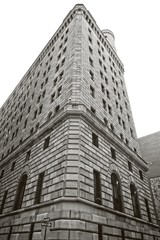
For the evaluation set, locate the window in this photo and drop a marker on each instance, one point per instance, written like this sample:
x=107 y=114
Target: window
x=119 y=96
x=31 y=231
x=46 y=143
x=90 y=50
x=106 y=80
x=93 y=110
x=40 y=109
x=128 y=117
x=104 y=104
x=25 y=123
x=124 y=125
x=148 y=210
x=131 y=131
x=91 y=62
x=29 y=109
x=13 y=166
x=97 y=187
x=43 y=94
x=57 y=108
x=57 y=68
x=59 y=91
x=119 y=120
x=92 y=91
x=39 y=188
x=20 y=192
x=28 y=155
x=100 y=233
x=46 y=81
x=130 y=166
x=135 y=201
x=61 y=75
x=35 y=114
x=121 y=136
x=101 y=74
x=39 y=98
x=110 y=110
x=108 y=94
x=90 y=39
x=100 y=62
x=113 y=153
x=55 y=81
x=3 y=201
x=117 y=192
x=2 y=173
x=126 y=105
x=105 y=121
x=91 y=75
x=52 y=97
x=63 y=61
x=102 y=88
x=112 y=127
x=95 y=139
x=141 y=174
x=49 y=115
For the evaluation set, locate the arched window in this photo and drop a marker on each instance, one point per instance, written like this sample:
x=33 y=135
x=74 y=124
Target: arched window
x=117 y=192
x=135 y=201
x=20 y=192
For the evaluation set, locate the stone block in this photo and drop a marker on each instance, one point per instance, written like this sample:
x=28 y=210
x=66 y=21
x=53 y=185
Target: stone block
x=71 y=224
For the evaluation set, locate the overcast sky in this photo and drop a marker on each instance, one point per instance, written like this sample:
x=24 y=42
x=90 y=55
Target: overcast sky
x=27 y=25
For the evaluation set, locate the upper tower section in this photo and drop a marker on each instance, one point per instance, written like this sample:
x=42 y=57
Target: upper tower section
x=110 y=37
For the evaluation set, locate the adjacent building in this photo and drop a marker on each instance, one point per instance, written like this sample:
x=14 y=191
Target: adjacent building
x=150 y=148
x=71 y=166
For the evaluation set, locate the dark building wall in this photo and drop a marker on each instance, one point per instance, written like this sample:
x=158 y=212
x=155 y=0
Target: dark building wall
x=150 y=149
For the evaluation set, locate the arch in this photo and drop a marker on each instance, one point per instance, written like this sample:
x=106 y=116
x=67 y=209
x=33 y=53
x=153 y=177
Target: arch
x=117 y=192
x=135 y=200
x=20 y=192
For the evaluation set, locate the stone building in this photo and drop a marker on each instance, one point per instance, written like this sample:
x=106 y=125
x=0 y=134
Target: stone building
x=70 y=163
x=150 y=149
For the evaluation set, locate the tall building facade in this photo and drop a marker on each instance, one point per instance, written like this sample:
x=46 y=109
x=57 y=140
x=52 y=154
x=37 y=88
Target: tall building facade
x=70 y=163
x=150 y=149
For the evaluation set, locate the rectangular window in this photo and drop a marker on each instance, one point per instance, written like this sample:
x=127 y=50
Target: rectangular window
x=90 y=39
x=113 y=153
x=13 y=166
x=91 y=62
x=92 y=91
x=100 y=233
x=104 y=104
x=39 y=188
x=57 y=68
x=55 y=81
x=101 y=74
x=93 y=110
x=2 y=173
x=97 y=187
x=52 y=97
x=3 y=201
x=148 y=210
x=61 y=75
x=35 y=114
x=59 y=91
x=25 y=123
x=110 y=110
x=90 y=50
x=102 y=88
x=40 y=109
x=141 y=174
x=108 y=94
x=95 y=139
x=63 y=61
x=28 y=156
x=46 y=143
x=91 y=75
x=130 y=166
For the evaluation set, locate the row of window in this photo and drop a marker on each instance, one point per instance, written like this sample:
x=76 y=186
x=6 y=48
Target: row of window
x=95 y=142
x=118 y=196
x=116 y=189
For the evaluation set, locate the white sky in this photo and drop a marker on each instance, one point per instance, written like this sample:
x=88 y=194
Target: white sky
x=27 y=25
